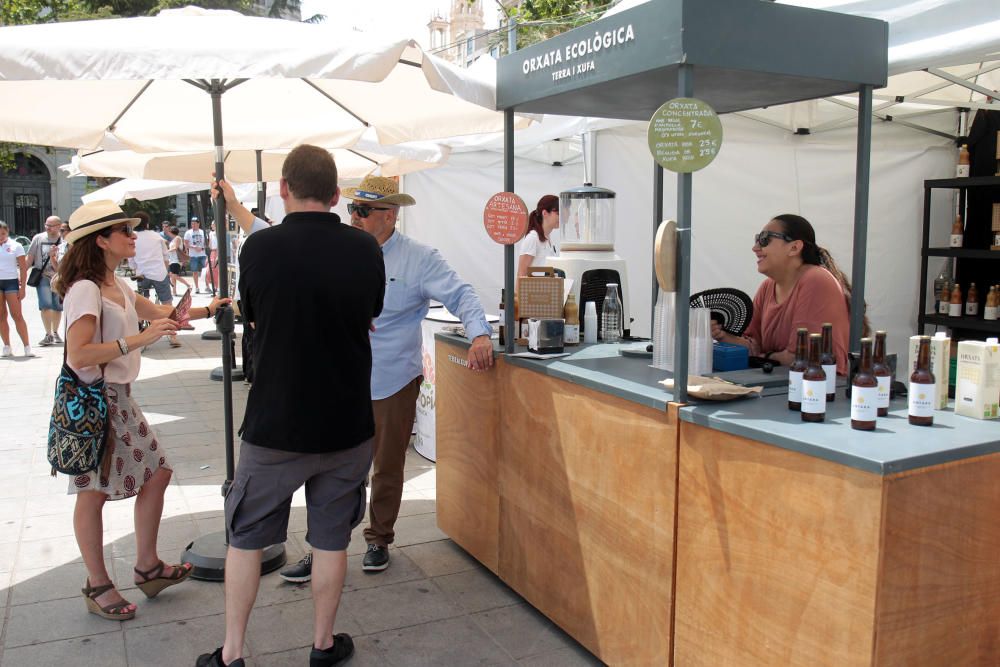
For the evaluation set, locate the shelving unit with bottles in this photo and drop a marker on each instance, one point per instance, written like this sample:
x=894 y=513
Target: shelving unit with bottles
x=964 y=323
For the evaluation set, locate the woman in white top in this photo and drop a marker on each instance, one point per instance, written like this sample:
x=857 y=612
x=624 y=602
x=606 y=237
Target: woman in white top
x=102 y=316
x=537 y=243
x=13 y=274
x=174 y=270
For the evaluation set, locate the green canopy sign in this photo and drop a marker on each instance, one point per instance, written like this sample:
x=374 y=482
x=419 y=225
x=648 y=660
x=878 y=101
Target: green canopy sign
x=684 y=135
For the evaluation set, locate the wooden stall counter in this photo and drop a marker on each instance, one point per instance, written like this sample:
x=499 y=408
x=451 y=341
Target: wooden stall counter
x=567 y=493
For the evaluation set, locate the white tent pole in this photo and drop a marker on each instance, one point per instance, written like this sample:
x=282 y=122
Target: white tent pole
x=959 y=81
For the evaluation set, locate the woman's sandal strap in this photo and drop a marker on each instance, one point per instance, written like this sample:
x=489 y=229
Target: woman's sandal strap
x=152 y=573
x=116 y=607
x=178 y=572
x=95 y=592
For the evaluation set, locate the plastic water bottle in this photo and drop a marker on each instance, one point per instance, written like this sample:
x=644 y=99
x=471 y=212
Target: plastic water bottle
x=611 y=315
x=590 y=323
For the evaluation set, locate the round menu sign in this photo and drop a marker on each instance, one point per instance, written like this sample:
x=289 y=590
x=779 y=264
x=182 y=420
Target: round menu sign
x=684 y=135
x=505 y=218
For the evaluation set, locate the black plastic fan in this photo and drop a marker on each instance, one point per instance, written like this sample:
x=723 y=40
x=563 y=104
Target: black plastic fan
x=732 y=308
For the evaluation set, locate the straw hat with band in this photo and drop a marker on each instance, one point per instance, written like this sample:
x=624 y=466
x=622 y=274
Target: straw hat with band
x=379 y=190
x=95 y=216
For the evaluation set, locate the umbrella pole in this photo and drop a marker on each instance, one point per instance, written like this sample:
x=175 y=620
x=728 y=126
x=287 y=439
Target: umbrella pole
x=261 y=186
x=208 y=553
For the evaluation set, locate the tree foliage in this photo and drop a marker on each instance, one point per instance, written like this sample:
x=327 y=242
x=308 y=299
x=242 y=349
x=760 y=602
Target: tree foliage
x=538 y=20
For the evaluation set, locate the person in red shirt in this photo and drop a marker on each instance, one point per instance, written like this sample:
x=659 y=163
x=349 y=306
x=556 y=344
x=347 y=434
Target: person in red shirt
x=804 y=288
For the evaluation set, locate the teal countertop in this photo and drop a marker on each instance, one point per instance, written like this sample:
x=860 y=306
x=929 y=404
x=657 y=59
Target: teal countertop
x=895 y=446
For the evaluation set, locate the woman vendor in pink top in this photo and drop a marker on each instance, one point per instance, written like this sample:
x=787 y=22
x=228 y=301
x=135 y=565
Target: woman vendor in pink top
x=803 y=288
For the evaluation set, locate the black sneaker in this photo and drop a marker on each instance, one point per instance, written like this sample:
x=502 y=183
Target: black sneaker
x=342 y=649
x=376 y=558
x=299 y=573
x=214 y=659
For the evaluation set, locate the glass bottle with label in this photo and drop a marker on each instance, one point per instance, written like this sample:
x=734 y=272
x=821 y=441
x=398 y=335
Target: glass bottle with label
x=921 y=396
x=962 y=170
x=955 y=307
x=571 y=330
x=939 y=283
x=611 y=315
x=828 y=360
x=944 y=299
x=883 y=374
x=990 y=310
x=957 y=232
x=797 y=369
x=814 y=383
x=972 y=301
x=864 y=391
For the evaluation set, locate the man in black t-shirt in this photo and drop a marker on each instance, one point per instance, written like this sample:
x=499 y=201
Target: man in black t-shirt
x=309 y=416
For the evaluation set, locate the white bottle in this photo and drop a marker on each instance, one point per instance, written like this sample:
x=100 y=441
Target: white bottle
x=590 y=323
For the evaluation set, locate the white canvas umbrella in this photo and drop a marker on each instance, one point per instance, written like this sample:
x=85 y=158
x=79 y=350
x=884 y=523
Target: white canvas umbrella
x=158 y=83
x=241 y=166
x=285 y=83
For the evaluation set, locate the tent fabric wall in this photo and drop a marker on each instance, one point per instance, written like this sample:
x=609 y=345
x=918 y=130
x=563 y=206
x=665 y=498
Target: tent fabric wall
x=761 y=171
x=449 y=211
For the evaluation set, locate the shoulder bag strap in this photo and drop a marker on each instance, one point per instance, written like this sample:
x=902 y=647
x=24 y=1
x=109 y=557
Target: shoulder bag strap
x=100 y=329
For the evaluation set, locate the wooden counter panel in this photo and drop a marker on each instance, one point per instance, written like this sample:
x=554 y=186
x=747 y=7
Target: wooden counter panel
x=587 y=485
x=939 y=596
x=777 y=556
x=468 y=412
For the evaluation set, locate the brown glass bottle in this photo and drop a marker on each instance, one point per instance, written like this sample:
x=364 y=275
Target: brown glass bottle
x=972 y=301
x=944 y=299
x=828 y=360
x=955 y=307
x=883 y=374
x=864 y=391
x=814 y=383
x=797 y=369
x=921 y=396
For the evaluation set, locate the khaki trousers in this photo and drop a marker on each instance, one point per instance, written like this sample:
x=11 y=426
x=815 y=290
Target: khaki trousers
x=393 y=426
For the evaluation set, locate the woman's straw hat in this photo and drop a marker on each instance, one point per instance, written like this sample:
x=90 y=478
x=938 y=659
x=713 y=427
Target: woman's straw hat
x=95 y=216
x=379 y=189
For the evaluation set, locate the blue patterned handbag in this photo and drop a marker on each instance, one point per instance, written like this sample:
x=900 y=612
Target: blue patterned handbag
x=79 y=424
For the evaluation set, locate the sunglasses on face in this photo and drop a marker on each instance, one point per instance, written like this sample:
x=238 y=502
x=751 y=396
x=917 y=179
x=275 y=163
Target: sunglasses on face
x=363 y=210
x=124 y=229
x=763 y=238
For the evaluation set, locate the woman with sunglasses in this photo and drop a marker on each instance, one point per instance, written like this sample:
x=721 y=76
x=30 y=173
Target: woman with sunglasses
x=537 y=243
x=102 y=339
x=804 y=288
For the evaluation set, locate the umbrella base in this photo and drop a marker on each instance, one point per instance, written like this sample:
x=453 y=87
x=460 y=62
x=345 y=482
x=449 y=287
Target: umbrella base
x=237 y=375
x=211 y=335
x=208 y=556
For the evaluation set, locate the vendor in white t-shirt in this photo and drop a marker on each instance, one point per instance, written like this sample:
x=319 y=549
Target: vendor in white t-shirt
x=537 y=243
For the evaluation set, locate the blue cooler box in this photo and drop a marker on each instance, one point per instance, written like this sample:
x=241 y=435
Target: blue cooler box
x=729 y=357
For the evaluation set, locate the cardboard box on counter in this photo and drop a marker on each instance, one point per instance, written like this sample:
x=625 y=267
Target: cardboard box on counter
x=977 y=379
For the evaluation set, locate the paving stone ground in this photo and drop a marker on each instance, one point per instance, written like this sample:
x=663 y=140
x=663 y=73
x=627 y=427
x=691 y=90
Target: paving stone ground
x=435 y=605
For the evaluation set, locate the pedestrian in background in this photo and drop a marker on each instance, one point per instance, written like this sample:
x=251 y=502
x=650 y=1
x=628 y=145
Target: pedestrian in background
x=13 y=277
x=43 y=248
x=195 y=243
x=174 y=247
x=150 y=265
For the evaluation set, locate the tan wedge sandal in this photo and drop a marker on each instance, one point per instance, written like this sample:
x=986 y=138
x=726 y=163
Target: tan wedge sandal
x=153 y=582
x=113 y=611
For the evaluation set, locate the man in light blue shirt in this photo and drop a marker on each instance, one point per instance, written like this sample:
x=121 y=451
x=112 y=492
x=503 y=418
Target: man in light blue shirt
x=415 y=274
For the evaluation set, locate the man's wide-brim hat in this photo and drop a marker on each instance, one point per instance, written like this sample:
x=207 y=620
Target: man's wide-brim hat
x=95 y=216
x=379 y=190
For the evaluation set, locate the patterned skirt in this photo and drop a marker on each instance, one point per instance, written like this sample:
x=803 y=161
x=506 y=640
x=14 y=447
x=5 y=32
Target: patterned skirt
x=135 y=454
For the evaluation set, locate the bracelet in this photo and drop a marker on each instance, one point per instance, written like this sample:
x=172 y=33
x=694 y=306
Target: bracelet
x=122 y=346
x=208 y=312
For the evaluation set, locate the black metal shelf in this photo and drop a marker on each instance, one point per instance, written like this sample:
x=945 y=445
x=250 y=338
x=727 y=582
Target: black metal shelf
x=965 y=182
x=967 y=323
x=962 y=253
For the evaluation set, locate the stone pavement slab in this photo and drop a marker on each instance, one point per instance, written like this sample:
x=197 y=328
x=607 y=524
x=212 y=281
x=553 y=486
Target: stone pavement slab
x=435 y=605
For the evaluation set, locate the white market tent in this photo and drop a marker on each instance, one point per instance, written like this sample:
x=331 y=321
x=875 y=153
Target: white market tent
x=764 y=168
